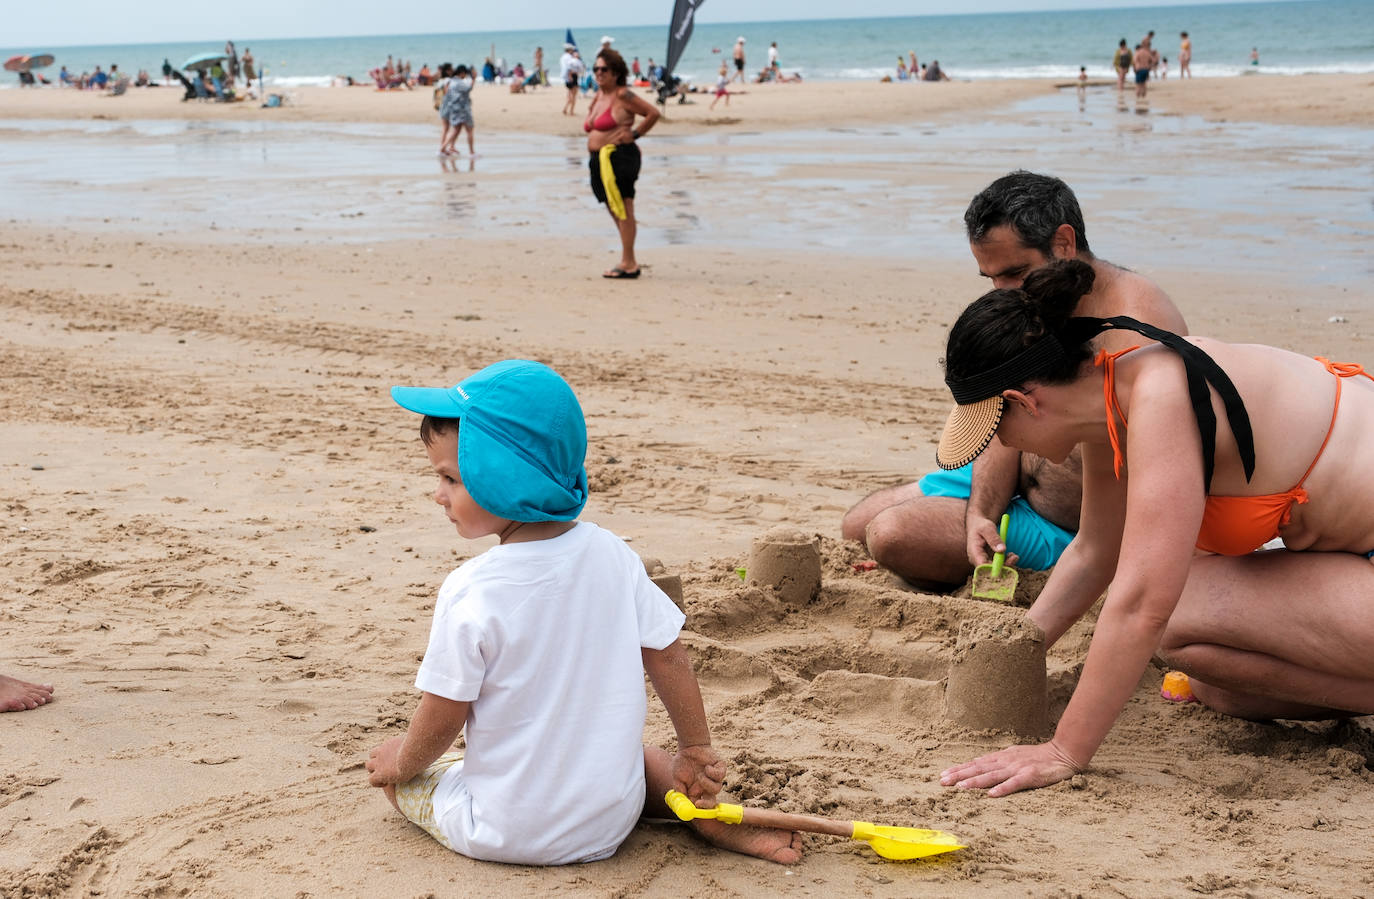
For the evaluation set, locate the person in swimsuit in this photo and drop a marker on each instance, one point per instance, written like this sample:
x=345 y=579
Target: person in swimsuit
x=933 y=531
x=1188 y=444
x=613 y=154
x=1185 y=55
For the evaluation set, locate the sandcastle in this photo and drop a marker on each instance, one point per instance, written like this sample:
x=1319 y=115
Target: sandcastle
x=995 y=676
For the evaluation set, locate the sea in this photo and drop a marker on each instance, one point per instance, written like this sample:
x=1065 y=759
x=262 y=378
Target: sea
x=1293 y=38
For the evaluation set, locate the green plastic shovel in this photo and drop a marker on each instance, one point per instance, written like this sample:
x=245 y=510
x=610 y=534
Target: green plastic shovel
x=992 y=580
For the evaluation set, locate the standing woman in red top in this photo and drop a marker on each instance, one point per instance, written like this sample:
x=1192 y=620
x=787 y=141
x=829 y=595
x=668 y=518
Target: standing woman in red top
x=614 y=155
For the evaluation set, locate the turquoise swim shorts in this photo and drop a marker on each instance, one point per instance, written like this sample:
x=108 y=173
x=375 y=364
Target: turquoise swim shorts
x=1038 y=543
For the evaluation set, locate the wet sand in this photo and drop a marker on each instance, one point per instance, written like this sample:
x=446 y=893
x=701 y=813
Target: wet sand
x=219 y=544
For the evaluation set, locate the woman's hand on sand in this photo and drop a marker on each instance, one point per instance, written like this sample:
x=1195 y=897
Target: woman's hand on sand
x=381 y=763
x=1012 y=769
x=699 y=774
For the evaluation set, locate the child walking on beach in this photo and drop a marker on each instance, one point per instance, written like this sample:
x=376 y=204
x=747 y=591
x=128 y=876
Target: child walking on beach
x=456 y=110
x=538 y=649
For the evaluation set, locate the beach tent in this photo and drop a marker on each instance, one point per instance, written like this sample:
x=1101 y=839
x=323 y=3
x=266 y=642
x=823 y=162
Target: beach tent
x=204 y=61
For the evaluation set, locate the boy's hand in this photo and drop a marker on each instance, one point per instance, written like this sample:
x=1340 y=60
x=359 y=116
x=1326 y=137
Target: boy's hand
x=699 y=774
x=381 y=763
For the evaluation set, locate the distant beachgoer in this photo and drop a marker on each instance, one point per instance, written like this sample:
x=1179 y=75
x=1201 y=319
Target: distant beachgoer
x=457 y=109
x=739 y=60
x=634 y=69
x=606 y=41
x=19 y=696
x=911 y=67
x=166 y=69
x=248 y=72
x=540 y=77
x=98 y=79
x=64 y=77
x=570 y=67
x=923 y=72
x=425 y=77
x=614 y=157
x=934 y=72
x=721 y=91
x=1185 y=55
x=1121 y=62
x=1141 y=61
x=773 y=55
x=1163 y=68
x=233 y=70
x=1082 y=81
x=901 y=69
x=1254 y=56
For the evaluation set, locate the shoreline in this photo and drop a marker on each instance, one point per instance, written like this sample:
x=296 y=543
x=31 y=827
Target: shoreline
x=1307 y=100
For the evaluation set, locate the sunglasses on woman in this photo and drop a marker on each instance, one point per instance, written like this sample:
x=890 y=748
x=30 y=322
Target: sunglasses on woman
x=597 y=70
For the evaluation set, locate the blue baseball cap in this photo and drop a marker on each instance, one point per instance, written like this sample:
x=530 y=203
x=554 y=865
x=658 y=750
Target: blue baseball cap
x=522 y=440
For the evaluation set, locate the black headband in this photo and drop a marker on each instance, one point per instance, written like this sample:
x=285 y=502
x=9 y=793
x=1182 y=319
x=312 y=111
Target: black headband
x=1201 y=370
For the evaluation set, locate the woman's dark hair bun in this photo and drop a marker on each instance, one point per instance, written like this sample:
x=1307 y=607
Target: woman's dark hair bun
x=1056 y=288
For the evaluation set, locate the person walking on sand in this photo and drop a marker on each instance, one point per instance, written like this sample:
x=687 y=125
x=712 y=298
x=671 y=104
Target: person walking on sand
x=456 y=109
x=739 y=60
x=540 y=76
x=1185 y=55
x=249 y=73
x=538 y=651
x=932 y=532
x=613 y=154
x=1254 y=56
x=912 y=68
x=1141 y=61
x=722 y=89
x=1121 y=62
x=570 y=69
x=773 y=55
x=19 y=696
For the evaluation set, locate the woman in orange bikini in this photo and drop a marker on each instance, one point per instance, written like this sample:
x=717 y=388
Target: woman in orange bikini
x=1189 y=444
x=614 y=155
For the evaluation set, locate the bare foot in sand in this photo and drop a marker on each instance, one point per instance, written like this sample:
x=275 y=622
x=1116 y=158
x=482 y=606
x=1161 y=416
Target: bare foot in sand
x=18 y=695
x=781 y=846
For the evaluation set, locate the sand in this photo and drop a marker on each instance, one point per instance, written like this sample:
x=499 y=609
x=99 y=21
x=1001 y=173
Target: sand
x=218 y=543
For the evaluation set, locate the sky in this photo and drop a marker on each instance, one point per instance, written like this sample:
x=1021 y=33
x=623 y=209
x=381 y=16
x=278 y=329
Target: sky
x=67 y=23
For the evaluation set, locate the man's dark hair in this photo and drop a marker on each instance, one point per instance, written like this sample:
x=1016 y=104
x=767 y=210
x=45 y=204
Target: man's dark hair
x=1033 y=205
x=431 y=426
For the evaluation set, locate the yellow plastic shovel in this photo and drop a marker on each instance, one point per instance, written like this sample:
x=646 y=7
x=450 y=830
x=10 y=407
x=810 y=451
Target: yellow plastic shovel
x=900 y=843
x=993 y=581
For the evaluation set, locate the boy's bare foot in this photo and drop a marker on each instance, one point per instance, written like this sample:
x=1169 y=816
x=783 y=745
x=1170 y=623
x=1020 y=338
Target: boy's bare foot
x=19 y=696
x=781 y=846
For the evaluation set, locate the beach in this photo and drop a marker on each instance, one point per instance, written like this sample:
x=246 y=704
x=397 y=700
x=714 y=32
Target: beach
x=220 y=544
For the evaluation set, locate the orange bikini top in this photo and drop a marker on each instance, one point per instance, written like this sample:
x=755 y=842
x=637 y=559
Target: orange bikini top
x=1232 y=525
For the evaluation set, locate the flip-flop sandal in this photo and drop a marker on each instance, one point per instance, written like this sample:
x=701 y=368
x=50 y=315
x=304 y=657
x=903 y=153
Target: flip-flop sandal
x=619 y=272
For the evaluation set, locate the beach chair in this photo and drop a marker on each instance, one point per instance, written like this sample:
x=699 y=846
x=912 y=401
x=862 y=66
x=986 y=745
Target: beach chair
x=119 y=88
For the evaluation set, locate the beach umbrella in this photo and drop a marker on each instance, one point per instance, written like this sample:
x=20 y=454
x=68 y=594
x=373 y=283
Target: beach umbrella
x=17 y=64
x=204 y=60
x=567 y=38
x=40 y=61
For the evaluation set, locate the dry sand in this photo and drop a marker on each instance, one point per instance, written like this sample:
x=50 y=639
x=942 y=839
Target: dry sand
x=218 y=543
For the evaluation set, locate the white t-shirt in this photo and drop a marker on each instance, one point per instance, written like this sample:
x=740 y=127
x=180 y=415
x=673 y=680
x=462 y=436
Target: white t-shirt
x=772 y=55
x=544 y=639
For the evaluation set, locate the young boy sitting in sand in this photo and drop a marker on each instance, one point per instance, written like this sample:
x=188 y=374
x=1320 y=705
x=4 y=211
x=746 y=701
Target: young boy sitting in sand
x=538 y=650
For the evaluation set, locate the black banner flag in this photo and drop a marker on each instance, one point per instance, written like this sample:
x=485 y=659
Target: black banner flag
x=680 y=32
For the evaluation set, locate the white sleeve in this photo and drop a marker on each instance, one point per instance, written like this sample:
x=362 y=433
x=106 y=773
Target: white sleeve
x=454 y=663
x=660 y=621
